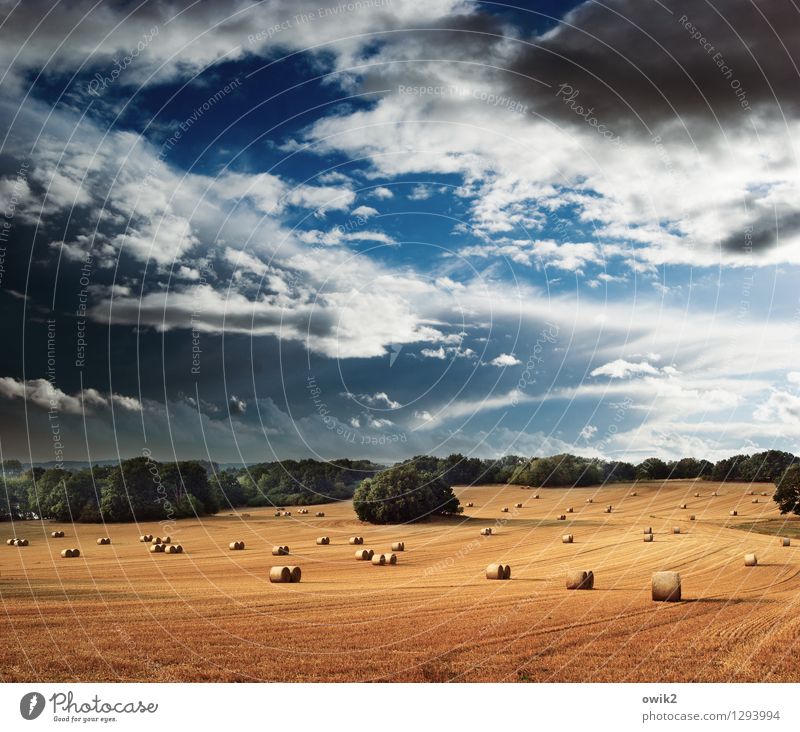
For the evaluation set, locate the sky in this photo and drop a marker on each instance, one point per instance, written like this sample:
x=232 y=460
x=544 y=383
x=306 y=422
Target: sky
x=244 y=231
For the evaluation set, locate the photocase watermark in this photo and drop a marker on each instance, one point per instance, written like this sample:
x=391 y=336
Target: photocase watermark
x=331 y=11
x=66 y=708
x=169 y=510
x=749 y=277
x=8 y=215
x=610 y=432
x=31 y=705
x=719 y=59
x=569 y=95
x=197 y=310
x=445 y=563
x=351 y=434
x=53 y=413
x=80 y=311
x=463 y=92
x=100 y=82
x=547 y=335
x=185 y=126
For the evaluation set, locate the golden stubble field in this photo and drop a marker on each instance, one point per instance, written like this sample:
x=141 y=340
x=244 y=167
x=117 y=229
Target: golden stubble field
x=210 y=614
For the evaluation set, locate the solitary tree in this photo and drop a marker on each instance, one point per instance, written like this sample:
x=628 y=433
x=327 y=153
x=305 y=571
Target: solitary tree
x=787 y=493
x=403 y=494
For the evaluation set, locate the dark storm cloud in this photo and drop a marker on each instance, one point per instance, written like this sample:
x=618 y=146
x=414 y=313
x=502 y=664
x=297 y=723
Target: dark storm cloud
x=690 y=61
x=764 y=232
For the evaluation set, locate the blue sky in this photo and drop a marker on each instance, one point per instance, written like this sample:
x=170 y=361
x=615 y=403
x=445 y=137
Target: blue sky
x=390 y=228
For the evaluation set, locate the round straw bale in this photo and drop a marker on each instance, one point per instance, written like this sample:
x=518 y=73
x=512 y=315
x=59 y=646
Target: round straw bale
x=363 y=555
x=236 y=545
x=752 y=493
x=323 y=540
x=634 y=494
x=609 y=509
x=648 y=537
x=356 y=539
x=714 y=493
x=517 y=505
x=755 y=500
x=504 y=509
x=684 y=505
x=101 y=541
x=156 y=540
x=507 y=571
x=570 y=510
x=648 y=530
x=666 y=587
x=399 y=546
x=319 y=514
x=170 y=548
x=580 y=579
x=295 y=573
x=536 y=497
x=280 y=574
x=371 y=554
x=734 y=513
x=692 y=517
x=750 y=560
x=562 y=517
x=589 y=500
x=22 y=542
x=786 y=541
x=280 y=551
x=676 y=529
x=178 y=548
x=470 y=505
x=495 y=571
x=67 y=553
x=156 y=548
x=697 y=495
x=567 y=539
x=487 y=531
x=764 y=493
x=379 y=559
x=167 y=540
x=10 y=542
x=391 y=558
x=76 y=552
x=56 y=534
x=277 y=514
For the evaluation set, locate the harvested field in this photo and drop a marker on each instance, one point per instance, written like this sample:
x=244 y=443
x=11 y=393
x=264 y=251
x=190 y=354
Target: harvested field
x=211 y=614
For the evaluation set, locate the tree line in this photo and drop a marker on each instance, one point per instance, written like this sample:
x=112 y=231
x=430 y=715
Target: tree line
x=144 y=489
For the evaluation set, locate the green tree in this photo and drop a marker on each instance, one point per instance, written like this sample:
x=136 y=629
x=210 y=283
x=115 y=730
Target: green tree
x=787 y=490
x=403 y=494
x=652 y=469
x=134 y=491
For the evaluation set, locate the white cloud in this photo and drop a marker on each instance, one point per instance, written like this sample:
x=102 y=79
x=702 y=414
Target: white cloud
x=622 y=369
x=41 y=393
x=420 y=192
x=781 y=406
x=376 y=399
x=588 y=432
x=382 y=192
x=505 y=359
x=365 y=212
x=434 y=353
x=237 y=406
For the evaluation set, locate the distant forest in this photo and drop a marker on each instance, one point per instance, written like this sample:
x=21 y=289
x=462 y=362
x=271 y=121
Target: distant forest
x=143 y=489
